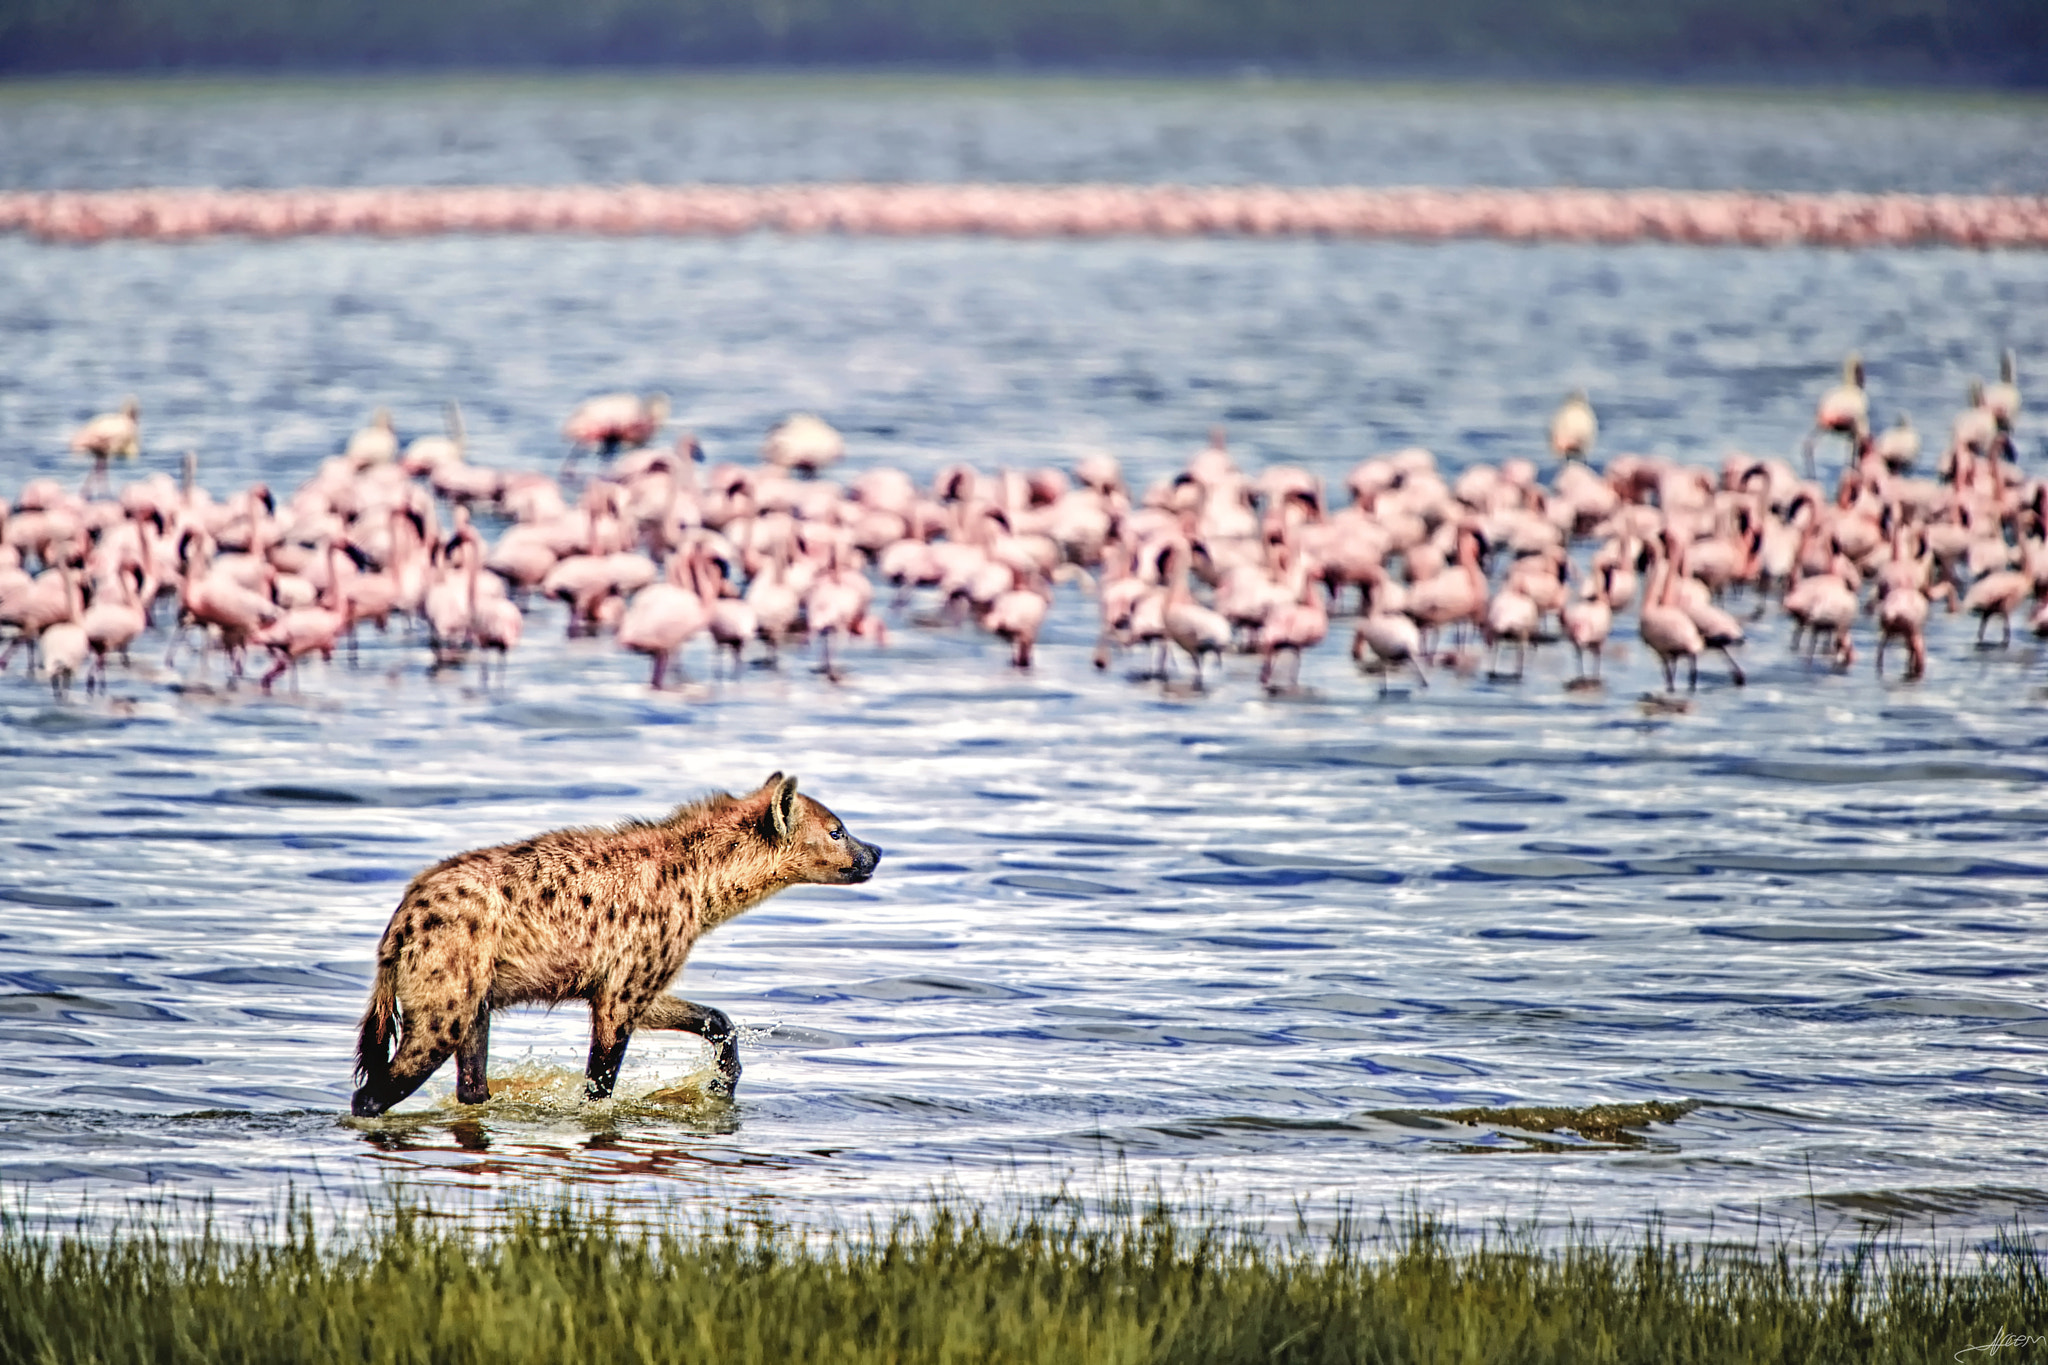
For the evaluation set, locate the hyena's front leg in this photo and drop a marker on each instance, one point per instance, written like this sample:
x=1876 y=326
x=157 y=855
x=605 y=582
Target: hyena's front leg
x=420 y=1053
x=712 y=1025
x=611 y=1028
x=472 y=1058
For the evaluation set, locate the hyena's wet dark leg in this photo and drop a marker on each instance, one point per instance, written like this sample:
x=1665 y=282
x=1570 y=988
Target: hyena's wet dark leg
x=712 y=1025
x=611 y=1028
x=420 y=1054
x=472 y=1058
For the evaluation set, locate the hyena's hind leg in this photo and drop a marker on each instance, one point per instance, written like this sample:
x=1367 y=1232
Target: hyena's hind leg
x=611 y=1028
x=712 y=1025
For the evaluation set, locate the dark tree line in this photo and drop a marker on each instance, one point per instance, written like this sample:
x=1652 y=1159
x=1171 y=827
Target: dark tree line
x=1998 y=41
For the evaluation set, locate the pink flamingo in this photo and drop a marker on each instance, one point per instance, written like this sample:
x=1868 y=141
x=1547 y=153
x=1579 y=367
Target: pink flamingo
x=1456 y=594
x=1902 y=615
x=1118 y=598
x=1543 y=577
x=448 y=607
x=1018 y=614
x=2002 y=400
x=109 y=436
x=612 y=422
x=1898 y=445
x=1844 y=410
x=522 y=557
x=219 y=602
x=376 y=443
x=1390 y=634
x=1815 y=600
x=1997 y=594
x=803 y=443
x=1300 y=625
x=495 y=623
x=663 y=617
x=111 y=623
x=305 y=630
x=1197 y=630
x=33 y=608
x=733 y=622
x=1589 y=619
x=974 y=581
x=1825 y=604
x=1833 y=613
x=837 y=604
x=909 y=564
x=368 y=595
x=1665 y=626
x=1246 y=595
x=1718 y=629
x=1147 y=629
x=1905 y=600
x=581 y=582
x=64 y=653
x=1574 y=428
x=425 y=454
x=1511 y=615
x=776 y=603
x=1973 y=436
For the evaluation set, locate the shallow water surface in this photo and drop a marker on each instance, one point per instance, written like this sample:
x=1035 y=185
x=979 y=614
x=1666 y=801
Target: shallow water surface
x=1247 y=942
x=1230 y=935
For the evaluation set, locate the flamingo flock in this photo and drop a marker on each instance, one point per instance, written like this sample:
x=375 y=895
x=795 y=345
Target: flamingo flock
x=657 y=549
x=1707 y=218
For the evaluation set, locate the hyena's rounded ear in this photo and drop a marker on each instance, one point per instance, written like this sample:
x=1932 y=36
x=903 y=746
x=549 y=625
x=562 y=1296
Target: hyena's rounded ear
x=782 y=811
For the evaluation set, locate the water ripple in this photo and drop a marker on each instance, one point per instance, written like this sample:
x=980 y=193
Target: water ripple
x=1272 y=944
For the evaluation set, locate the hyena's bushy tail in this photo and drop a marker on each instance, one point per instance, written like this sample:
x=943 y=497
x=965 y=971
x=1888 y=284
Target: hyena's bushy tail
x=380 y=1024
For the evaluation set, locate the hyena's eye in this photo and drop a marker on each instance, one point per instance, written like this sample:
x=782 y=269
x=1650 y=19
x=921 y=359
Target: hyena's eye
x=839 y=833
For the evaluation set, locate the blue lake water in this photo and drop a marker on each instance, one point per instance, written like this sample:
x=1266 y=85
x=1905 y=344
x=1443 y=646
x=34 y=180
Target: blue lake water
x=837 y=126
x=1228 y=940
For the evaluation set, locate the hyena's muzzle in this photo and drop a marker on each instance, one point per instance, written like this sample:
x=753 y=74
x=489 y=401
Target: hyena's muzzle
x=865 y=857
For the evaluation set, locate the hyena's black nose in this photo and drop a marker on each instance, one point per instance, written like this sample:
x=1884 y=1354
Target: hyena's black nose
x=865 y=860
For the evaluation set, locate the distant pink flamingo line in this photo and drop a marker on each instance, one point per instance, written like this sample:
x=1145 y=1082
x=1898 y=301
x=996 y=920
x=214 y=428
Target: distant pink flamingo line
x=1699 y=217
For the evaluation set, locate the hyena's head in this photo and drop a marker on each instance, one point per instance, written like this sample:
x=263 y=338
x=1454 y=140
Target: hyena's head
x=823 y=848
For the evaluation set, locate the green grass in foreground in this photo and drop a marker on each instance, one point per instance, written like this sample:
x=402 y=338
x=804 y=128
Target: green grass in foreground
x=953 y=1284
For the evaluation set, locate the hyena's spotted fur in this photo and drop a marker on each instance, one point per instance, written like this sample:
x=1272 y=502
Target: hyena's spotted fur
x=601 y=915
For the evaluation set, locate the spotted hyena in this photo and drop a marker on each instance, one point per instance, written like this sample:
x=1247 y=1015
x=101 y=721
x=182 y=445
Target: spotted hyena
x=601 y=915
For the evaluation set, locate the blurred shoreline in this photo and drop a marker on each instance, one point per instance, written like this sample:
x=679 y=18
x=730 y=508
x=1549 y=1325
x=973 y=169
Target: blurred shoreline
x=1736 y=86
